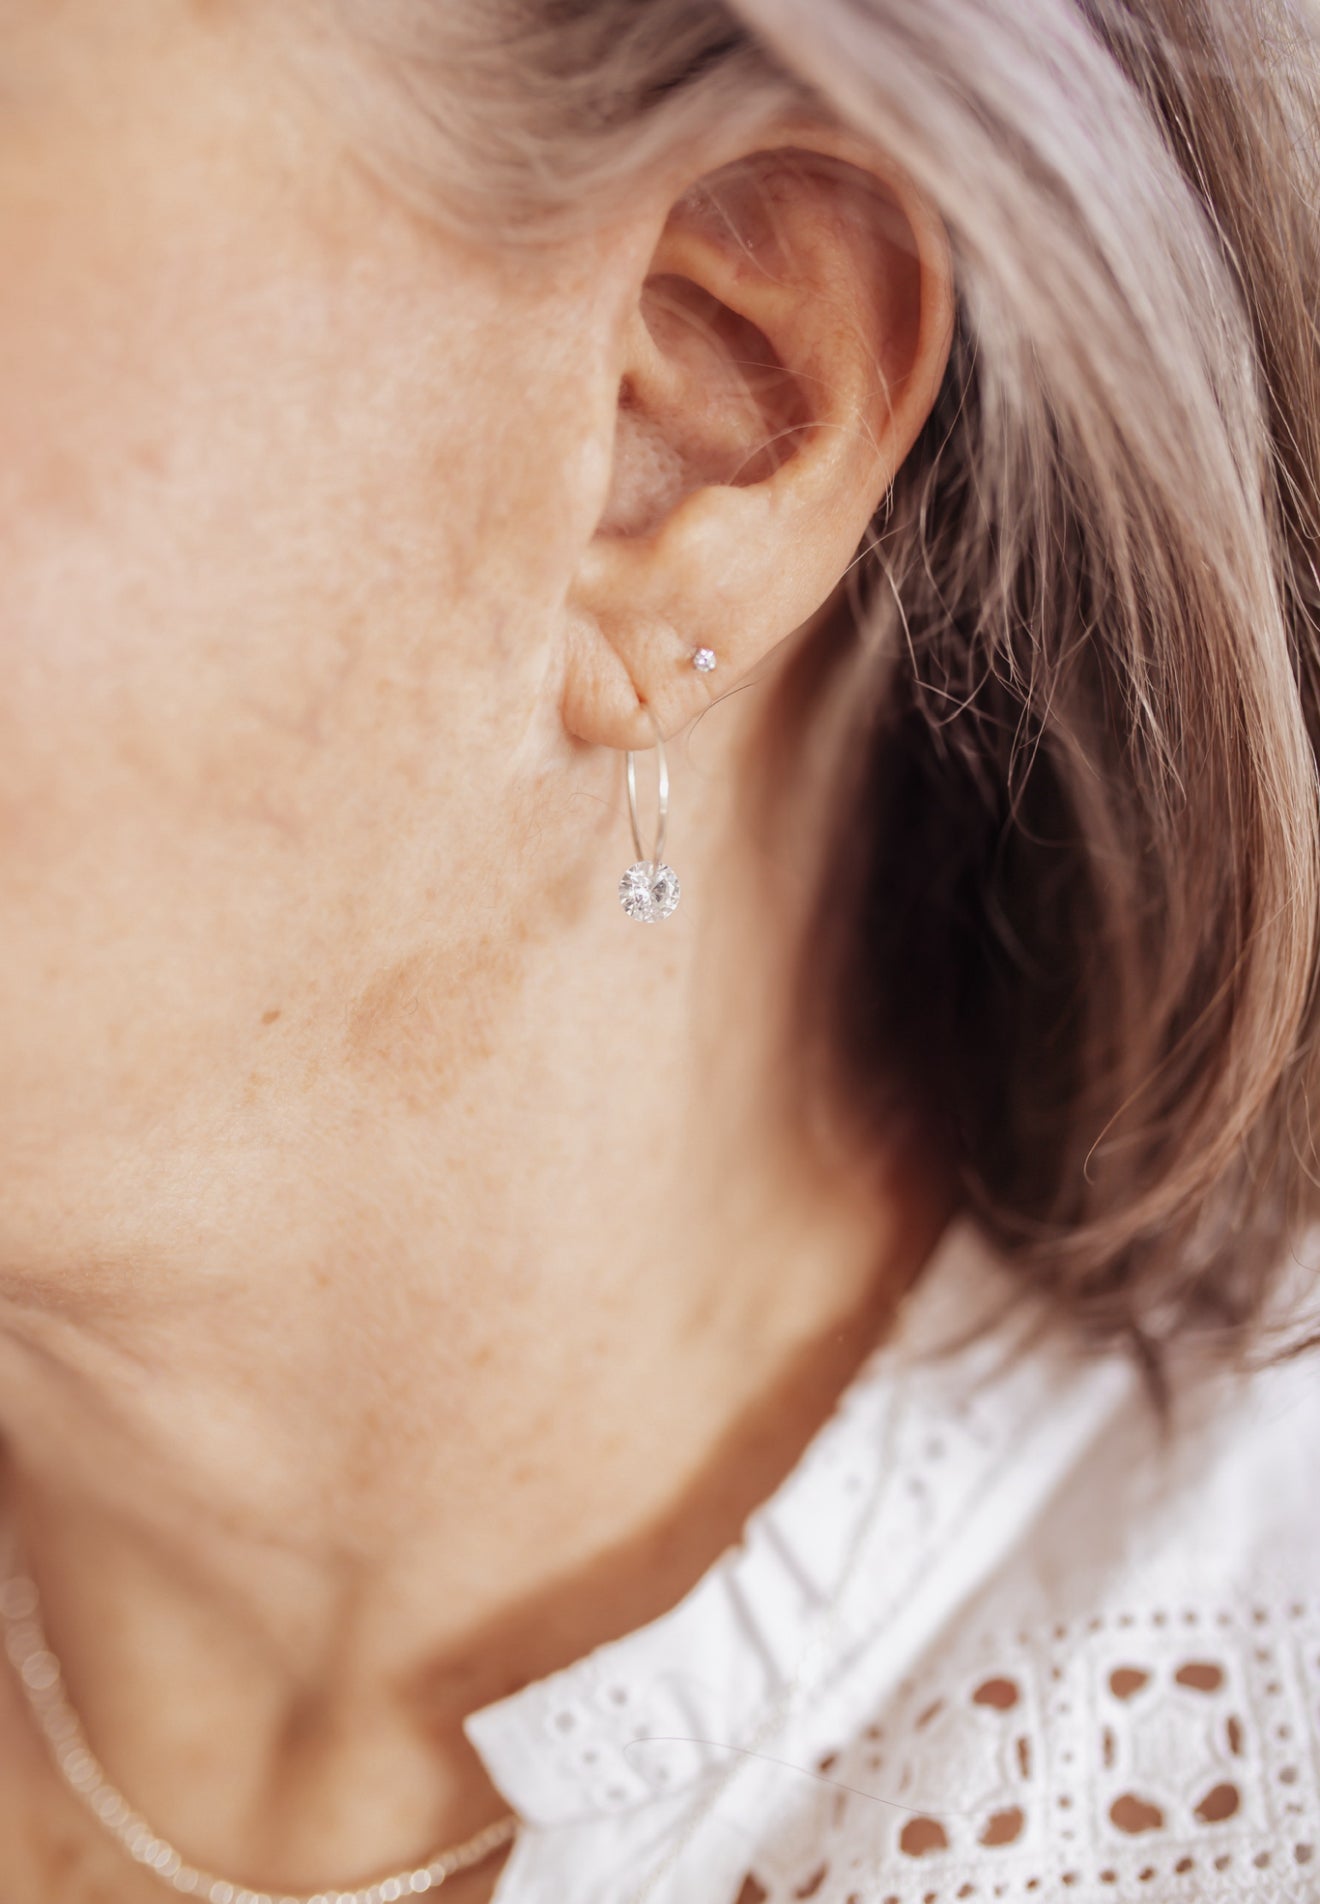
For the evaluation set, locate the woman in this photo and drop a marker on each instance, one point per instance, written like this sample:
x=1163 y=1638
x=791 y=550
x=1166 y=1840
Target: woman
x=782 y=1389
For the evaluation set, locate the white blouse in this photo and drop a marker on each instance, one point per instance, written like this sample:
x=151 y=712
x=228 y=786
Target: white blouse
x=993 y=1638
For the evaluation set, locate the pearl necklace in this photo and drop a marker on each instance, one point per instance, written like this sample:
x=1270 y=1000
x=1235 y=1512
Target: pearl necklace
x=39 y=1676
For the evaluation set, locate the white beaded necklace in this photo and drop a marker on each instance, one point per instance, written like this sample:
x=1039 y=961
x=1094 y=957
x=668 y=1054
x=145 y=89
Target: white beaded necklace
x=40 y=1678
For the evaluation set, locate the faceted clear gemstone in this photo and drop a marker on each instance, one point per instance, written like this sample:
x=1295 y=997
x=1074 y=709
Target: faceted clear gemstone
x=649 y=892
x=704 y=660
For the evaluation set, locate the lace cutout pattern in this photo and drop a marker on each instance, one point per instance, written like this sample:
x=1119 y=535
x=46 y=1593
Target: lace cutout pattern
x=1163 y=1754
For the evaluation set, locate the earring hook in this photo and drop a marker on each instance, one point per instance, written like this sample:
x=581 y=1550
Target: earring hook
x=662 y=796
x=649 y=889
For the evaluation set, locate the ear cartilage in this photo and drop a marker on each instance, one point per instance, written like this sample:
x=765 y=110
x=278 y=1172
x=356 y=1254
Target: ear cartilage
x=703 y=660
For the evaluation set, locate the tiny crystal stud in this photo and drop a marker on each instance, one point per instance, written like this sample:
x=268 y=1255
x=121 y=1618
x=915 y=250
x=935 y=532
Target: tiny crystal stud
x=703 y=660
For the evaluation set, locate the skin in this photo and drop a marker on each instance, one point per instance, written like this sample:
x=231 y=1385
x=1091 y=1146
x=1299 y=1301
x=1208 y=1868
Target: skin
x=411 y=1270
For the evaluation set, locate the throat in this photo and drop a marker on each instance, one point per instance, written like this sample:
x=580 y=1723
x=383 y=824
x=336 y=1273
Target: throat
x=278 y=1578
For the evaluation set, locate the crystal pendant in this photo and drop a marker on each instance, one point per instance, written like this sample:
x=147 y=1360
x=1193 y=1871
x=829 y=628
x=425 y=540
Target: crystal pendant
x=649 y=891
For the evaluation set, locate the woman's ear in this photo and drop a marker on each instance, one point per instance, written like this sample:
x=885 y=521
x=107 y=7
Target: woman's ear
x=780 y=354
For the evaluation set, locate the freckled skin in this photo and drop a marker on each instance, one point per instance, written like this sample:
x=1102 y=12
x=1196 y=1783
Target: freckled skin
x=384 y=1218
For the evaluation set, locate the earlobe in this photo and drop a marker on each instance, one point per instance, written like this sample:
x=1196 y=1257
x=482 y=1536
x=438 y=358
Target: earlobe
x=780 y=356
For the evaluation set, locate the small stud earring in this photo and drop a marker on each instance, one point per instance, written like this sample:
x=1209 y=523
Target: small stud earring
x=703 y=660
x=649 y=889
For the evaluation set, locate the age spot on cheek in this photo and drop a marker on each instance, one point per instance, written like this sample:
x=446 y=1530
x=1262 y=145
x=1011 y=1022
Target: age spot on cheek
x=427 y=1020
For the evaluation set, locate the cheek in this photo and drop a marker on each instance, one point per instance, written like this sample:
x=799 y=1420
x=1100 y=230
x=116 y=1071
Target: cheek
x=279 y=598
x=156 y=694
x=244 y=662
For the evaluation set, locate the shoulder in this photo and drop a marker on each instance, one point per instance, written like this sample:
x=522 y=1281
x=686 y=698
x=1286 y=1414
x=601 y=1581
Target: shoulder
x=1124 y=1704
x=1217 y=1504
x=1135 y=1701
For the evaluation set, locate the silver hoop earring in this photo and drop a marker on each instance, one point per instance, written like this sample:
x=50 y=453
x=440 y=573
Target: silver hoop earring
x=649 y=890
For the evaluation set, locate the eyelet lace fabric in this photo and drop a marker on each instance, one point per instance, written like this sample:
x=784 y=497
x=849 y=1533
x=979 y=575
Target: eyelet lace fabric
x=1163 y=1753
x=994 y=1638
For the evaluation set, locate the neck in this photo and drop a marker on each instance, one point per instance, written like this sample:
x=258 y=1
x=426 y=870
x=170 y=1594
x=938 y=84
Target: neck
x=499 y=1341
